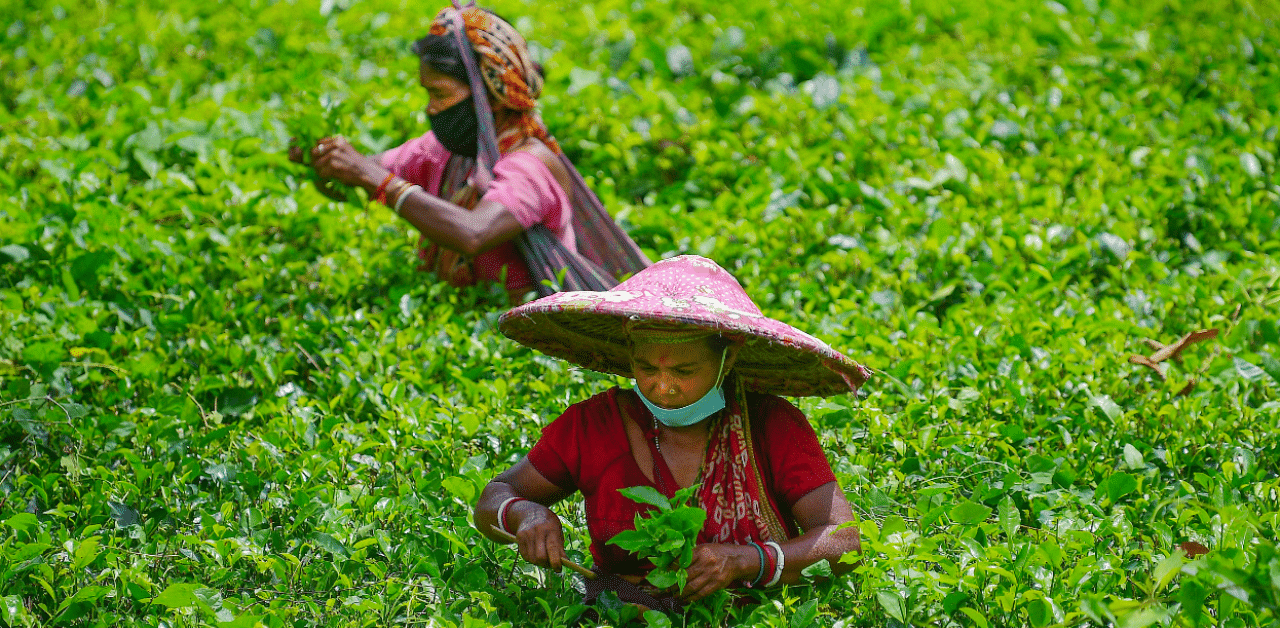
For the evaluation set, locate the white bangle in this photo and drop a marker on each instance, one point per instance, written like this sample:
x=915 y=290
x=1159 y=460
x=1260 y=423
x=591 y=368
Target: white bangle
x=502 y=512
x=782 y=559
x=404 y=195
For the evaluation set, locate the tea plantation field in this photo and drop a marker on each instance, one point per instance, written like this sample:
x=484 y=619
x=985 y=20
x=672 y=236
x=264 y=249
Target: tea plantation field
x=228 y=401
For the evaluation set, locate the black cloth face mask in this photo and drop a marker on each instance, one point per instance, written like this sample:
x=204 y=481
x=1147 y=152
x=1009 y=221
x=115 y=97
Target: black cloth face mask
x=457 y=128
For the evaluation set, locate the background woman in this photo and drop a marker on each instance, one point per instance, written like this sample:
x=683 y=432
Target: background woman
x=468 y=220
x=704 y=361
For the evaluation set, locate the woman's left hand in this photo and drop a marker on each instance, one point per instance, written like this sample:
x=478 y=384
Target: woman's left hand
x=716 y=566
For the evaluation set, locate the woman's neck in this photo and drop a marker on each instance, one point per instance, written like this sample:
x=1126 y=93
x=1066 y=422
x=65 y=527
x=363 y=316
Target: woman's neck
x=692 y=433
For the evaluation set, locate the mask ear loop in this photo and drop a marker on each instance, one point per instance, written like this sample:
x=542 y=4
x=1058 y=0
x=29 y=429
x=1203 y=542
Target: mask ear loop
x=720 y=375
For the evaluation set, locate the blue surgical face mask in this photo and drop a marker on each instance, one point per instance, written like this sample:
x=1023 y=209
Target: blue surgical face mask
x=709 y=404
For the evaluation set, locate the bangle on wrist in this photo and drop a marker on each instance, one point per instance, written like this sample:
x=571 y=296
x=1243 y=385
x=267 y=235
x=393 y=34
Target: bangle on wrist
x=782 y=561
x=381 y=193
x=763 y=562
x=502 y=512
x=396 y=188
x=404 y=195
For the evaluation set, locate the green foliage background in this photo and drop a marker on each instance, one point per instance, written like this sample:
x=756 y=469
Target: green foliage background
x=227 y=400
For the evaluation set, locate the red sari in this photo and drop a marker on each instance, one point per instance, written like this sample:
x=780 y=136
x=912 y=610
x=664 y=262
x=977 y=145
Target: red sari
x=586 y=449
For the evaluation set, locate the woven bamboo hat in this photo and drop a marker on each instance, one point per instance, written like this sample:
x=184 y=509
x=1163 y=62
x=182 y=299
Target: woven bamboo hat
x=590 y=328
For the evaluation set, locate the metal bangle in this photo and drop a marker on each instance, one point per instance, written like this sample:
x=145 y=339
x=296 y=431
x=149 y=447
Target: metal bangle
x=502 y=512
x=405 y=194
x=782 y=559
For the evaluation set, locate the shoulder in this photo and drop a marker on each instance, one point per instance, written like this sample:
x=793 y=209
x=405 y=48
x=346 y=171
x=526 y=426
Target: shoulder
x=537 y=160
x=592 y=414
x=772 y=409
x=779 y=423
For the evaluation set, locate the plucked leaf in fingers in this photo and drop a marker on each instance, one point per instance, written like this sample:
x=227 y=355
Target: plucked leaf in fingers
x=666 y=537
x=312 y=118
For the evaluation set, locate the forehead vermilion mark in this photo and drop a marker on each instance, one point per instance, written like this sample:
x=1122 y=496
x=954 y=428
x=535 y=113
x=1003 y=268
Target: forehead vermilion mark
x=665 y=357
x=669 y=356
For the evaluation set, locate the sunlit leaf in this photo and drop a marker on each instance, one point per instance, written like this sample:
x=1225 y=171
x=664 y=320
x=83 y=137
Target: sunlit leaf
x=969 y=513
x=178 y=595
x=1120 y=484
x=647 y=495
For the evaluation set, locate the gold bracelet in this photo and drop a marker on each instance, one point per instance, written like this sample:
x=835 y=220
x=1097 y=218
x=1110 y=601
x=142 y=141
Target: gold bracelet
x=395 y=190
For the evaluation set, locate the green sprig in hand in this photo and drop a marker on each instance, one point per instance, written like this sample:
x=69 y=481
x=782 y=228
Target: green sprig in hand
x=666 y=537
x=310 y=121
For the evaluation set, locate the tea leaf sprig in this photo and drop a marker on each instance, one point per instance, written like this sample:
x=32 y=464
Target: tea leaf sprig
x=313 y=118
x=666 y=537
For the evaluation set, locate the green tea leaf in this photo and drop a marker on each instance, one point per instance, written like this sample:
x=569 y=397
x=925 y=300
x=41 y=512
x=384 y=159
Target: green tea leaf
x=330 y=544
x=893 y=603
x=657 y=619
x=123 y=514
x=1133 y=458
x=631 y=540
x=663 y=578
x=805 y=615
x=893 y=524
x=14 y=253
x=1120 y=484
x=1108 y=407
x=178 y=595
x=1248 y=371
x=1009 y=517
x=86 y=552
x=460 y=488
x=22 y=522
x=1166 y=569
x=969 y=513
x=976 y=617
x=647 y=495
x=89 y=594
x=820 y=569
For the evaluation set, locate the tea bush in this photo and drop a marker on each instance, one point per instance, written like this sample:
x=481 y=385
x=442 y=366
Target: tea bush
x=227 y=400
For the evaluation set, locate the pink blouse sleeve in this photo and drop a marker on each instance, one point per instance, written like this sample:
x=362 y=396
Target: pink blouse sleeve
x=525 y=186
x=420 y=160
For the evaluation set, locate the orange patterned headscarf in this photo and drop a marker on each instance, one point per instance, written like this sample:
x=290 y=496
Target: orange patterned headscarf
x=509 y=73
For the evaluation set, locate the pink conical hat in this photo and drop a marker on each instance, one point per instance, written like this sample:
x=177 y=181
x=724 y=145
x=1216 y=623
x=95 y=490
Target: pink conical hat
x=589 y=328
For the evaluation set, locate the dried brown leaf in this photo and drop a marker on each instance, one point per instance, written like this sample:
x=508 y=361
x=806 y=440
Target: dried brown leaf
x=1188 y=388
x=1193 y=549
x=1145 y=361
x=1170 y=351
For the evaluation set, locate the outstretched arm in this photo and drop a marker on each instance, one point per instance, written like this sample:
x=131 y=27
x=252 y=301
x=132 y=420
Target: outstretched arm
x=538 y=531
x=469 y=232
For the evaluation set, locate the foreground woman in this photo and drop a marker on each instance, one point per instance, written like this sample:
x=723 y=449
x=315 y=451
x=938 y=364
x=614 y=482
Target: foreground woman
x=707 y=366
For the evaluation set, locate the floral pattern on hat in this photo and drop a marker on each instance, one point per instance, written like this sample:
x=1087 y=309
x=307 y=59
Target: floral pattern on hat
x=588 y=328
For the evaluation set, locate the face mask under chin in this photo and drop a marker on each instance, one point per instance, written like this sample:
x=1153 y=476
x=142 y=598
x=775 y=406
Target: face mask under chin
x=710 y=403
x=457 y=128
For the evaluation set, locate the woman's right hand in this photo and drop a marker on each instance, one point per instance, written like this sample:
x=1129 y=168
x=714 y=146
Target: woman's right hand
x=297 y=154
x=540 y=535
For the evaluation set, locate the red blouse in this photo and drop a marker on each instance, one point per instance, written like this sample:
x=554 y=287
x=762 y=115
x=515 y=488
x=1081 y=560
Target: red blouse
x=586 y=449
